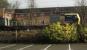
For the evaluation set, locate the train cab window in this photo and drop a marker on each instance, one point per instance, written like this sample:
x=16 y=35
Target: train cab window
x=70 y=18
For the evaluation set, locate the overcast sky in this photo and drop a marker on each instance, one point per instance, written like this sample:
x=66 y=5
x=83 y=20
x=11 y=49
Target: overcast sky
x=47 y=3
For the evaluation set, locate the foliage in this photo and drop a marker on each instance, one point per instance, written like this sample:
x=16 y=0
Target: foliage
x=84 y=30
x=61 y=33
x=4 y=4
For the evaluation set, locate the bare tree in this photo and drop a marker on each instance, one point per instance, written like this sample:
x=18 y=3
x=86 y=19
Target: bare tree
x=31 y=4
x=15 y=5
x=82 y=9
x=4 y=4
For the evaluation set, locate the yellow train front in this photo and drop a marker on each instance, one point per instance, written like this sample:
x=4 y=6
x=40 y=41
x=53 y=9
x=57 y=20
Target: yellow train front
x=72 y=18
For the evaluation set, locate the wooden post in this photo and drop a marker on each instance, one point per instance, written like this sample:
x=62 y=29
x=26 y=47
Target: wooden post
x=16 y=33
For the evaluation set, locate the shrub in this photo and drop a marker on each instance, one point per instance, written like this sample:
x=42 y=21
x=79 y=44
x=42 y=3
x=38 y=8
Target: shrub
x=61 y=33
x=84 y=30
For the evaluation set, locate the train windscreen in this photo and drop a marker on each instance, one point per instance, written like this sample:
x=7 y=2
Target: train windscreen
x=69 y=18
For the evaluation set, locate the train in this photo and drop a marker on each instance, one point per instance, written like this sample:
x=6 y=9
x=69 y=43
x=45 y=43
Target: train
x=72 y=18
x=65 y=18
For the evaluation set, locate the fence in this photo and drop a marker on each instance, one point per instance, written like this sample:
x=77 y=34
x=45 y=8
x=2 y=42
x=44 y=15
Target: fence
x=19 y=36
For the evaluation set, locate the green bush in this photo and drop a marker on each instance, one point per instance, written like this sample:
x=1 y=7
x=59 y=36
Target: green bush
x=82 y=32
x=85 y=33
x=61 y=33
